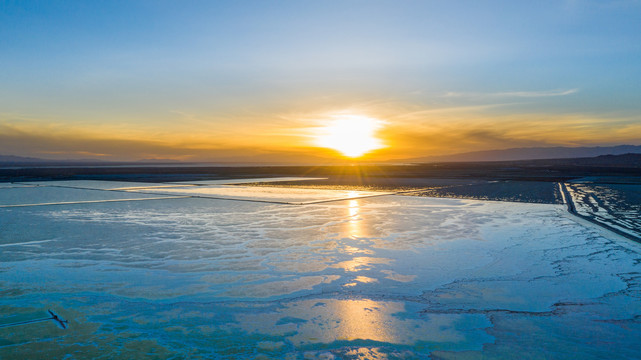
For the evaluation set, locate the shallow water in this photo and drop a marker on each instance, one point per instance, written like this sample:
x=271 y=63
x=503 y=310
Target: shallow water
x=389 y=277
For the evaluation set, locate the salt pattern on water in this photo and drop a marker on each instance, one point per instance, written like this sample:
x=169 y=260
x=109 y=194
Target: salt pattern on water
x=387 y=277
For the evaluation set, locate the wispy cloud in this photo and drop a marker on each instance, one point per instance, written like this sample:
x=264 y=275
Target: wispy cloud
x=421 y=133
x=411 y=115
x=513 y=94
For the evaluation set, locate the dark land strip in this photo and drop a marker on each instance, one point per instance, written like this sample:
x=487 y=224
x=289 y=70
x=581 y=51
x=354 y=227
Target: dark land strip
x=572 y=210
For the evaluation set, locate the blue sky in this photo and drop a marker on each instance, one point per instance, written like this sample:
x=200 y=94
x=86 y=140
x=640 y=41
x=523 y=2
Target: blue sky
x=195 y=79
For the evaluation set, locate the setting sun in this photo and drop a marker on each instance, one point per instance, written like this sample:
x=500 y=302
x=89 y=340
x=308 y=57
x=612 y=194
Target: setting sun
x=351 y=135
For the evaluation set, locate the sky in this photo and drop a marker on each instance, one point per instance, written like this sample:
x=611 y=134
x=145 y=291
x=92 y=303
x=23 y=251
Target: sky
x=246 y=81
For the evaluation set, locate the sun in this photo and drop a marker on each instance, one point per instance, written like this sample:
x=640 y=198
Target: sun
x=351 y=135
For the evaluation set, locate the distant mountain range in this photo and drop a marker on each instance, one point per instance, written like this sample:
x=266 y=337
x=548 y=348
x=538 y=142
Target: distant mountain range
x=532 y=153
x=22 y=160
x=603 y=161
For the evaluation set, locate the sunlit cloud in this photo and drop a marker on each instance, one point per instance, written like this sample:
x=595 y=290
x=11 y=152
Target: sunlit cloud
x=399 y=131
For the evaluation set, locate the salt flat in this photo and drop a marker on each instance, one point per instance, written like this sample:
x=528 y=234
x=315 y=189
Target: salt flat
x=363 y=277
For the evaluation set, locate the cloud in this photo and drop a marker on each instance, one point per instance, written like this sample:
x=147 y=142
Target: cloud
x=78 y=145
x=410 y=130
x=463 y=109
x=423 y=133
x=512 y=94
x=458 y=138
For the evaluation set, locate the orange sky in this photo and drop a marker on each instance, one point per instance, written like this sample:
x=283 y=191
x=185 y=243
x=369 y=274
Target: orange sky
x=294 y=137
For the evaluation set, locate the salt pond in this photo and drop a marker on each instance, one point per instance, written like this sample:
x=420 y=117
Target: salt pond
x=364 y=277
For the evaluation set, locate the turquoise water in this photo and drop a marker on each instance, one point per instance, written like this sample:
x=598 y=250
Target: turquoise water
x=390 y=277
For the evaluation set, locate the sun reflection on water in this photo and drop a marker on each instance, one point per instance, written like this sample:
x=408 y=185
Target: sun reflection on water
x=353 y=211
x=364 y=319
